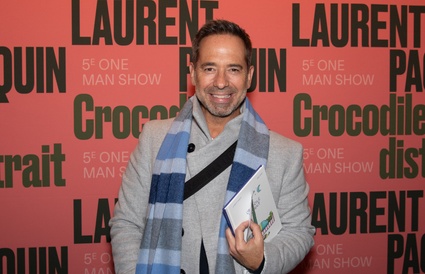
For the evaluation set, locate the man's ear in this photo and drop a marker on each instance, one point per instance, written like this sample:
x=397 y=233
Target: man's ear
x=249 y=76
x=192 y=73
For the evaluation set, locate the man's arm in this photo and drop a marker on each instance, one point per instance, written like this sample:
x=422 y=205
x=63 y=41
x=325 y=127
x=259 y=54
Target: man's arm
x=290 y=190
x=130 y=211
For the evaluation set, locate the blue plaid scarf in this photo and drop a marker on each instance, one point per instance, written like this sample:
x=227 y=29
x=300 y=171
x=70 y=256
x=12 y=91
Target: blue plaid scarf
x=160 y=250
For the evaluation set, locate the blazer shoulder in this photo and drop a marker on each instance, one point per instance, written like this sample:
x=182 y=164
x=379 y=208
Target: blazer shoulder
x=280 y=142
x=158 y=128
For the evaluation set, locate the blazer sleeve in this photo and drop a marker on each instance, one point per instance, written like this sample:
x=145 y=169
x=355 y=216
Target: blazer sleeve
x=127 y=224
x=290 y=191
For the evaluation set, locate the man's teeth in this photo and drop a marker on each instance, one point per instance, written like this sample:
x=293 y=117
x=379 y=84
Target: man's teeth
x=221 y=96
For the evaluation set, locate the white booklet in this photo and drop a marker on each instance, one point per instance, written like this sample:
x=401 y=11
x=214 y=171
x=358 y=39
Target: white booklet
x=254 y=202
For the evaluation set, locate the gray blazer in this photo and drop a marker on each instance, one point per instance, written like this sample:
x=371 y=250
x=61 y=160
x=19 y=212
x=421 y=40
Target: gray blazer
x=202 y=211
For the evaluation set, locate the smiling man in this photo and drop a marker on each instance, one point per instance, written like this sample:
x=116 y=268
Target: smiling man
x=221 y=77
x=158 y=228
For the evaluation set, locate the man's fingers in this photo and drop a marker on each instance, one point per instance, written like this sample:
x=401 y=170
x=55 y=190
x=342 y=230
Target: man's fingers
x=256 y=231
x=239 y=232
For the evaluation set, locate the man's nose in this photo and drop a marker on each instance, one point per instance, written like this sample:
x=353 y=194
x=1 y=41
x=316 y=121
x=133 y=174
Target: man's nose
x=221 y=80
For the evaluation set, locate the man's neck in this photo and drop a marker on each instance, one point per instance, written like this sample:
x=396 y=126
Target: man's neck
x=216 y=124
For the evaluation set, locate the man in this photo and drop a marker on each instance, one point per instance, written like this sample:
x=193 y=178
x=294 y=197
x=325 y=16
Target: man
x=154 y=231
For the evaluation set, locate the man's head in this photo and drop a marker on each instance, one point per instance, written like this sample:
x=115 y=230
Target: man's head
x=221 y=69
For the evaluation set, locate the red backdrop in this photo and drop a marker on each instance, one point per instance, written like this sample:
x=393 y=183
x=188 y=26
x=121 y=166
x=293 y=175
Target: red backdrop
x=78 y=79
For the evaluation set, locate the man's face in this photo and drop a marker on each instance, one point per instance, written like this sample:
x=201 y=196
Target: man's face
x=221 y=76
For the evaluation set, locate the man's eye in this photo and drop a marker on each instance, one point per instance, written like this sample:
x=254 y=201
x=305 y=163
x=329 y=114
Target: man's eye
x=208 y=69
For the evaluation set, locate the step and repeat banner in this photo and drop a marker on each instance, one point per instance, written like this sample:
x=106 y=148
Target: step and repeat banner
x=79 y=79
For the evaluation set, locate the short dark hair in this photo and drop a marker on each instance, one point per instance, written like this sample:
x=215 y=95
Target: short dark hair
x=221 y=27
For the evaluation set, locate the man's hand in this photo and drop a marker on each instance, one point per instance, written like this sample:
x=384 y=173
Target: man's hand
x=250 y=254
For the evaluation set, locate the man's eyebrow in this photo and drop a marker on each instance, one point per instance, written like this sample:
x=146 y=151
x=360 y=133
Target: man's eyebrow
x=235 y=65
x=207 y=64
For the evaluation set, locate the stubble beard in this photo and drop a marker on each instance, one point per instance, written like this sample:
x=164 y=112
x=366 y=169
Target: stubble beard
x=219 y=110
